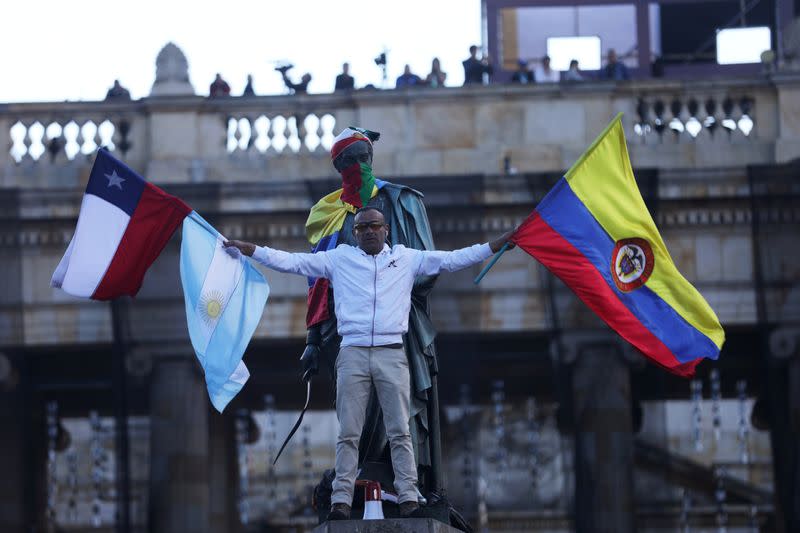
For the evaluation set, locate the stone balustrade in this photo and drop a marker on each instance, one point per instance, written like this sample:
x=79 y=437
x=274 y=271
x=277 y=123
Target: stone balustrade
x=484 y=130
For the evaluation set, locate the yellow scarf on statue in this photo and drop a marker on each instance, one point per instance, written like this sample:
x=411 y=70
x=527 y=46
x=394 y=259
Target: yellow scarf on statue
x=327 y=216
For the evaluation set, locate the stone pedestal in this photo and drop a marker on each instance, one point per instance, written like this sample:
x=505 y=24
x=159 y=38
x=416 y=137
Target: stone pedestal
x=393 y=525
x=179 y=449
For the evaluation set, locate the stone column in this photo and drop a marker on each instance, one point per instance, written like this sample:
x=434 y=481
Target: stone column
x=604 y=448
x=223 y=472
x=783 y=406
x=16 y=482
x=179 y=447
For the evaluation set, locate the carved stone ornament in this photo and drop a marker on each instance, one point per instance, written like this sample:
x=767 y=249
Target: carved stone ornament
x=783 y=342
x=172 y=73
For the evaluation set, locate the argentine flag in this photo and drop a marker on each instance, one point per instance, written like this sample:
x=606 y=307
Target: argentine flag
x=225 y=297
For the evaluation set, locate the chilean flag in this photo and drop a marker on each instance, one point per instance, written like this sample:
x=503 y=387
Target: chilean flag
x=123 y=225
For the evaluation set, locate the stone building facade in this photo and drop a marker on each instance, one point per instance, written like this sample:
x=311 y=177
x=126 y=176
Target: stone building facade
x=715 y=163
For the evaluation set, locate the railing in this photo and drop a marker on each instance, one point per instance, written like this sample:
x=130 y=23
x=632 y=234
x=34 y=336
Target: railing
x=687 y=118
x=274 y=133
x=426 y=131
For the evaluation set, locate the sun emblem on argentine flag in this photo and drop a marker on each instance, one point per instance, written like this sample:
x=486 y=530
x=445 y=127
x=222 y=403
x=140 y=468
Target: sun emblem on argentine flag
x=632 y=263
x=211 y=305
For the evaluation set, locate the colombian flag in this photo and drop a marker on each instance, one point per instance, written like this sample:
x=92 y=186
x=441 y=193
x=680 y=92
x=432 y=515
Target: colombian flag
x=593 y=231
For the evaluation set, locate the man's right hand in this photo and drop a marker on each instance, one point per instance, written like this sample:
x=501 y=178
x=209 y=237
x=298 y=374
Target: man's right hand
x=310 y=361
x=247 y=248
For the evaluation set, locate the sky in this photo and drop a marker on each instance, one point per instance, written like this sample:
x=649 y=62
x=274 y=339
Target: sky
x=54 y=50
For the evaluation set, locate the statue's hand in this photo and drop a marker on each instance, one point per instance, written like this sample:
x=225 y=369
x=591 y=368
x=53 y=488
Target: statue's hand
x=310 y=361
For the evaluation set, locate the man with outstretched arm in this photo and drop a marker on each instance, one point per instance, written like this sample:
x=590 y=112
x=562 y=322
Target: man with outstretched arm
x=372 y=286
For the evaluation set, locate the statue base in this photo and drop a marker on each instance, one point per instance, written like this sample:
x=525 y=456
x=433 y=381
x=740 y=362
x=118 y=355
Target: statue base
x=390 y=525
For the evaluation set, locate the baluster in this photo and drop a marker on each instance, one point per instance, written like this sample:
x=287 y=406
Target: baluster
x=467 y=468
x=744 y=428
x=710 y=122
x=124 y=131
x=302 y=133
x=52 y=481
x=686 y=509
x=754 y=528
x=308 y=469
x=239 y=134
x=97 y=467
x=243 y=133
x=97 y=138
x=328 y=124
x=36 y=140
x=271 y=437
x=310 y=138
x=293 y=140
x=27 y=141
x=269 y=135
x=105 y=135
x=676 y=125
x=279 y=140
x=253 y=133
x=72 y=137
x=745 y=123
x=320 y=133
x=716 y=415
x=18 y=134
x=697 y=417
x=55 y=140
x=659 y=124
x=79 y=140
x=533 y=440
x=642 y=128
x=728 y=123
x=500 y=455
x=241 y=449
x=72 y=481
x=693 y=126
x=719 y=497
x=88 y=131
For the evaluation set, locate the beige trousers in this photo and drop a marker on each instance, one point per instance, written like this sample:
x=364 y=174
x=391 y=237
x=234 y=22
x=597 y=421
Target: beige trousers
x=358 y=368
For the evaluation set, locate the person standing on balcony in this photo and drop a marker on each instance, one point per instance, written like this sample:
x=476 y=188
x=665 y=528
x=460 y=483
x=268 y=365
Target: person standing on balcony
x=614 y=70
x=574 y=73
x=248 y=88
x=523 y=74
x=344 y=81
x=219 y=87
x=437 y=76
x=300 y=87
x=545 y=74
x=118 y=92
x=407 y=79
x=475 y=68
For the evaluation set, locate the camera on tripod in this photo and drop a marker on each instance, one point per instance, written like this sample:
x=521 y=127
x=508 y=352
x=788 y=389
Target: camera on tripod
x=284 y=68
x=381 y=60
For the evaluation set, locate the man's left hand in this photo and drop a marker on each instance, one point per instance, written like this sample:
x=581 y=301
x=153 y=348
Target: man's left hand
x=247 y=248
x=498 y=243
